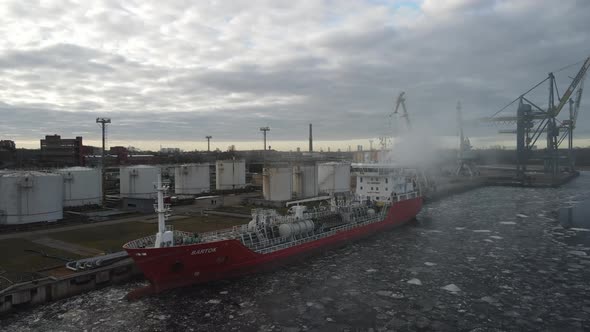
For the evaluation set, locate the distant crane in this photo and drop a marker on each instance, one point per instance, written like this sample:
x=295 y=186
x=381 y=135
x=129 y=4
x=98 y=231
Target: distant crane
x=464 y=156
x=401 y=100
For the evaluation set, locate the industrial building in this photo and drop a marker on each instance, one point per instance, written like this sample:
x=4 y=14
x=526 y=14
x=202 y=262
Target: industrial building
x=57 y=151
x=192 y=179
x=7 y=153
x=230 y=174
x=28 y=197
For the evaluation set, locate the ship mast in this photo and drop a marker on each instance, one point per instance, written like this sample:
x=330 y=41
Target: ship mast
x=163 y=238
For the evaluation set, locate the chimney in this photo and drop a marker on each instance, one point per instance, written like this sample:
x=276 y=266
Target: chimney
x=310 y=139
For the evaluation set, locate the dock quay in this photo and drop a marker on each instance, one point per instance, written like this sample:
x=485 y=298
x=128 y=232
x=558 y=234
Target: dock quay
x=59 y=284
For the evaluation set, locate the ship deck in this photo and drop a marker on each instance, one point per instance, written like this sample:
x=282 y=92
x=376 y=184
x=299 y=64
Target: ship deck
x=262 y=242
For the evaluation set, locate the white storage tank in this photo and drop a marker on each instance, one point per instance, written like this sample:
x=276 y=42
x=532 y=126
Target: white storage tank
x=334 y=177
x=305 y=181
x=81 y=186
x=191 y=179
x=138 y=181
x=277 y=183
x=27 y=197
x=230 y=174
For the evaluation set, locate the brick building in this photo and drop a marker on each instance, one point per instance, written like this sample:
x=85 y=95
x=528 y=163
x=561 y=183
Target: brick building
x=60 y=152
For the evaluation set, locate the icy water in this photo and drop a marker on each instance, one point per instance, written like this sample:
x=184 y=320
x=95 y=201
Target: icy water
x=492 y=259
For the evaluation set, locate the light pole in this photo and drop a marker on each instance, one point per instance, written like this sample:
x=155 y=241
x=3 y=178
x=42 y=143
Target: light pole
x=264 y=130
x=208 y=142
x=103 y=123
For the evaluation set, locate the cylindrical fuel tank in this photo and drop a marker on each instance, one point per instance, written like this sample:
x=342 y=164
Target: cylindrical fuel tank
x=296 y=228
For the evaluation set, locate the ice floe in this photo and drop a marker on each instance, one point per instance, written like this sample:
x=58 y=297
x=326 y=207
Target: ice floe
x=451 y=288
x=415 y=281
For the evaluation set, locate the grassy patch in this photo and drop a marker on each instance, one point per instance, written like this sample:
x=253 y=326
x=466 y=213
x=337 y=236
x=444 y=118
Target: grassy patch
x=111 y=238
x=15 y=258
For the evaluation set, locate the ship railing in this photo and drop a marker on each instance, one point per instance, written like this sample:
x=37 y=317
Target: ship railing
x=406 y=196
x=150 y=241
x=284 y=243
x=145 y=242
x=224 y=234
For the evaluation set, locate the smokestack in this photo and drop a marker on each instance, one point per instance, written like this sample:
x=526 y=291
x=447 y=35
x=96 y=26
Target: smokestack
x=310 y=139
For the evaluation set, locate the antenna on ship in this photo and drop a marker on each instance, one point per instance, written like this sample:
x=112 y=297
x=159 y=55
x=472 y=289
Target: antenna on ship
x=164 y=238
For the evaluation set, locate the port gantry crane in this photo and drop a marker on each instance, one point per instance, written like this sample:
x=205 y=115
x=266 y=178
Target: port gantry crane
x=532 y=121
x=401 y=100
x=384 y=141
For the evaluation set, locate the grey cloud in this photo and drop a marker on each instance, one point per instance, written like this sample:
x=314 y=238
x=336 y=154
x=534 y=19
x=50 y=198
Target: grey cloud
x=227 y=79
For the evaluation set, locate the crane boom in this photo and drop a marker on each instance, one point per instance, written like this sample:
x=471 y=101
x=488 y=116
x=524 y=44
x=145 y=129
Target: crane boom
x=570 y=89
x=577 y=101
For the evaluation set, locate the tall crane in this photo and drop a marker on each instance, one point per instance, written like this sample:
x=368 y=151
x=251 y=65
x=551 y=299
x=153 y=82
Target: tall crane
x=532 y=121
x=401 y=100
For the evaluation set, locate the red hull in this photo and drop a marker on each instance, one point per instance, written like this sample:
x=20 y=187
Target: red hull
x=179 y=266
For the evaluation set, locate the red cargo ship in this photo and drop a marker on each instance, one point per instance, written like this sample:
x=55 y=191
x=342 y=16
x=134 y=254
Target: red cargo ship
x=173 y=259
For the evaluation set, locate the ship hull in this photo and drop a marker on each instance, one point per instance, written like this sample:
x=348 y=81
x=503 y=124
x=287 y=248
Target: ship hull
x=180 y=266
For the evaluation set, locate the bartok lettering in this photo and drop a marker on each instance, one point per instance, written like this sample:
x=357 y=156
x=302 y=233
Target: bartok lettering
x=204 y=251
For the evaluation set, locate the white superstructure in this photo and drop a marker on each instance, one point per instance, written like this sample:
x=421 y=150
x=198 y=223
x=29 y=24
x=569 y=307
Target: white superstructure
x=81 y=186
x=334 y=177
x=27 y=197
x=277 y=183
x=305 y=181
x=230 y=174
x=192 y=179
x=380 y=182
x=138 y=181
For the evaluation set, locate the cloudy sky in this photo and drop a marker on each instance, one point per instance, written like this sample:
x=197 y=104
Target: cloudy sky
x=171 y=72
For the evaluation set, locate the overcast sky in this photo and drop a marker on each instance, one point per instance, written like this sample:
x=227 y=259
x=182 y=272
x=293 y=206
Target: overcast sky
x=171 y=72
